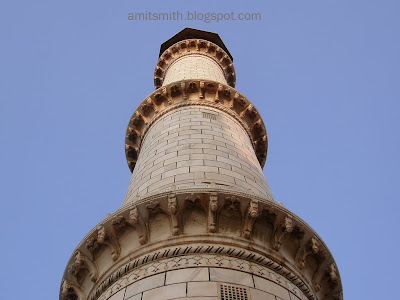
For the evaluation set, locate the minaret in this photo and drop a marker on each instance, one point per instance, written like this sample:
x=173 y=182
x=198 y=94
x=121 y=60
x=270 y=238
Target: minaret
x=199 y=220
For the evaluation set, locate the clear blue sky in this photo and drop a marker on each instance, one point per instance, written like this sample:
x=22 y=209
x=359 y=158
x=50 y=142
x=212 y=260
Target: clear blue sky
x=323 y=74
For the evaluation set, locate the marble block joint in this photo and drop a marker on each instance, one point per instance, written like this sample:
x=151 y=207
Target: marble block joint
x=199 y=221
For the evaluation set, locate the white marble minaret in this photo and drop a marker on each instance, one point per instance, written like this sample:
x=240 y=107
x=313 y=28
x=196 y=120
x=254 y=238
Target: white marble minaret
x=199 y=220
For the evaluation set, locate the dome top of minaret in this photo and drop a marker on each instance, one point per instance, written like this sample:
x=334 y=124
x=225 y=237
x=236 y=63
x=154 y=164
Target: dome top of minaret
x=192 y=33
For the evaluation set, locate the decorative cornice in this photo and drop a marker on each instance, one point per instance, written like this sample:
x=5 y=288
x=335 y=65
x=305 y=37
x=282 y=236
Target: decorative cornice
x=190 y=47
x=201 y=93
x=291 y=244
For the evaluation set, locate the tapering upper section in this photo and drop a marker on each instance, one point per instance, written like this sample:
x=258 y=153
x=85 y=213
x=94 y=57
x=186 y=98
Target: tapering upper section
x=194 y=54
x=195 y=68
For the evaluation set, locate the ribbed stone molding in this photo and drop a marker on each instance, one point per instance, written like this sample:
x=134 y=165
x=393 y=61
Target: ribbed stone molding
x=201 y=222
x=190 y=47
x=195 y=92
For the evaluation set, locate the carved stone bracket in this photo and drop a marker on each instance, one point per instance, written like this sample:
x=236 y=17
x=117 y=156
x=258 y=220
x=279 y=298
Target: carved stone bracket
x=312 y=247
x=106 y=238
x=173 y=212
x=250 y=111
x=119 y=223
x=202 y=90
x=251 y=216
x=83 y=262
x=136 y=220
x=327 y=274
x=183 y=90
x=281 y=230
x=219 y=91
x=212 y=212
